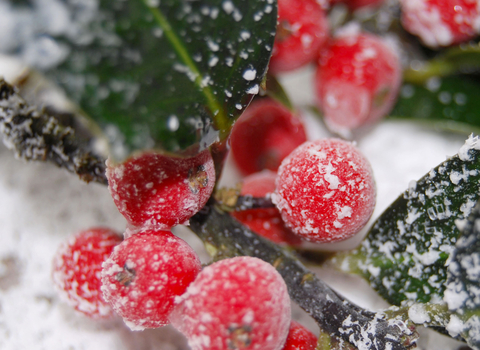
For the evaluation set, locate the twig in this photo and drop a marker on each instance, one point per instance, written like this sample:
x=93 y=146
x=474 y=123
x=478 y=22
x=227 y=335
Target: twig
x=348 y=323
x=34 y=135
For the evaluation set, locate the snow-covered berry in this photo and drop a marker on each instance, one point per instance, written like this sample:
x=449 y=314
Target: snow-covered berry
x=265 y=134
x=158 y=190
x=300 y=338
x=441 y=22
x=325 y=190
x=357 y=81
x=266 y=222
x=237 y=303
x=301 y=31
x=76 y=270
x=145 y=273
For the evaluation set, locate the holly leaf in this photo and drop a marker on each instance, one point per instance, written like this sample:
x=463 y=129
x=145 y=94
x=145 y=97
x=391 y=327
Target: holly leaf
x=461 y=59
x=462 y=293
x=404 y=256
x=449 y=103
x=164 y=74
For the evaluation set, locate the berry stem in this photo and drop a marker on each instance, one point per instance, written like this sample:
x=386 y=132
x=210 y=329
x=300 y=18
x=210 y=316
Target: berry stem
x=346 y=323
x=34 y=135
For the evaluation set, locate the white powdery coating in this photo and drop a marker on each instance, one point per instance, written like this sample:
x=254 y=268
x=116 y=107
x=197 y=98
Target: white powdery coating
x=325 y=190
x=470 y=143
x=238 y=300
x=418 y=314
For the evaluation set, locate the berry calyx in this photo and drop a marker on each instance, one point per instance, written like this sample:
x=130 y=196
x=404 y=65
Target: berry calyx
x=441 y=22
x=158 y=190
x=265 y=134
x=357 y=81
x=354 y=5
x=76 y=270
x=266 y=222
x=145 y=273
x=325 y=190
x=237 y=303
x=300 y=338
x=302 y=30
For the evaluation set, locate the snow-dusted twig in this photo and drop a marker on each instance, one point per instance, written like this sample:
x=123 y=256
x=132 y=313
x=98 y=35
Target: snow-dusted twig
x=347 y=324
x=35 y=135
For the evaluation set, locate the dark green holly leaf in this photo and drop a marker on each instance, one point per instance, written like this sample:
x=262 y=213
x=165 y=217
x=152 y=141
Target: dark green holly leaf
x=166 y=74
x=462 y=292
x=449 y=103
x=405 y=253
x=454 y=60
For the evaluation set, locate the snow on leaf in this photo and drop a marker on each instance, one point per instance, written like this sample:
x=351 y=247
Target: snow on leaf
x=462 y=293
x=131 y=65
x=409 y=246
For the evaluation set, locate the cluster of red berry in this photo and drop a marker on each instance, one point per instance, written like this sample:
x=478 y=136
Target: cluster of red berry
x=323 y=190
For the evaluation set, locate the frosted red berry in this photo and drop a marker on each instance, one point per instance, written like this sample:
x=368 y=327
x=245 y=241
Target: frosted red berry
x=265 y=134
x=441 y=22
x=145 y=273
x=76 y=270
x=158 y=190
x=325 y=190
x=357 y=81
x=266 y=222
x=300 y=338
x=238 y=303
x=301 y=31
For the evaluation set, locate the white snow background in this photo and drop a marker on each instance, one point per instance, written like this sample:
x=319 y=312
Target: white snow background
x=41 y=205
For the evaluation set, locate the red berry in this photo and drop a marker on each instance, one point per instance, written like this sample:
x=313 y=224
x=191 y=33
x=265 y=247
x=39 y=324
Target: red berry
x=154 y=189
x=76 y=270
x=325 y=190
x=145 y=273
x=441 y=22
x=265 y=134
x=357 y=81
x=300 y=338
x=266 y=222
x=302 y=30
x=238 y=303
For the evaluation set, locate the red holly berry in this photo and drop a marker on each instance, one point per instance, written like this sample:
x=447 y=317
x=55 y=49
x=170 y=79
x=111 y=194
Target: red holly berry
x=300 y=338
x=357 y=81
x=302 y=30
x=266 y=222
x=325 y=190
x=238 y=303
x=265 y=134
x=155 y=189
x=441 y=22
x=76 y=270
x=354 y=5
x=145 y=273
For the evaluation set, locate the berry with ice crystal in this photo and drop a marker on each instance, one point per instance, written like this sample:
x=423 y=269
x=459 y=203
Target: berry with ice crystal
x=158 y=190
x=441 y=22
x=302 y=30
x=325 y=190
x=300 y=338
x=357 y=81
x=237 y=303
x=145 y=273
x=265 y=134
x=266 y=222
x=76 y=270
